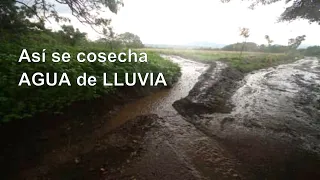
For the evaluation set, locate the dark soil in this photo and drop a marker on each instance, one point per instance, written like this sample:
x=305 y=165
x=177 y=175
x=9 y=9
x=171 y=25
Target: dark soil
x=211 y=93
x=26 y=143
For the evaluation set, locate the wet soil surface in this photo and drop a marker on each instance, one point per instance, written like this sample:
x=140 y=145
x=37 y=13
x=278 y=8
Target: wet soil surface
x=215 y=123
x=274 y=125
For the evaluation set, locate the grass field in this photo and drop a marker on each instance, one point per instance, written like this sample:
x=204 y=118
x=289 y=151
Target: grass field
x=248 y=62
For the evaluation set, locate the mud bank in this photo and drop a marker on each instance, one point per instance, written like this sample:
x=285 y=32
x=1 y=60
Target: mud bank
x=211 y=93
x=273 y=128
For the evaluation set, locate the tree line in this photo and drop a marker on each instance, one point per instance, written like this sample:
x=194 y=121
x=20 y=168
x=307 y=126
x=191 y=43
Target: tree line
x=292 y=47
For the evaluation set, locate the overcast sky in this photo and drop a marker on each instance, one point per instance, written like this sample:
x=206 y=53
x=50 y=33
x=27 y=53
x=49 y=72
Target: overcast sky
x=179 y=22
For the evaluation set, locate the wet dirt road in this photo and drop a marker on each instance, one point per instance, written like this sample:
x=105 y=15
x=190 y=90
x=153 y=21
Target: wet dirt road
x=265 y=126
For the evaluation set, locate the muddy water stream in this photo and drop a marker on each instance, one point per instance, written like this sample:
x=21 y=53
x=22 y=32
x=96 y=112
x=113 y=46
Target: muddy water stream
x=160 y=103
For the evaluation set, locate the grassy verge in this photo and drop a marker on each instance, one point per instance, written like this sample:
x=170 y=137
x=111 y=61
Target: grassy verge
x=248 y=62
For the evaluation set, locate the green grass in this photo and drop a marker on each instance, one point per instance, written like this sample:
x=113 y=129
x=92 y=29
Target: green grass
x=248 y=62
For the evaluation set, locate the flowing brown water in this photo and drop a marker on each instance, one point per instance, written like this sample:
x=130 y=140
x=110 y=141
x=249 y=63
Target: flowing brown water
x=161 y=102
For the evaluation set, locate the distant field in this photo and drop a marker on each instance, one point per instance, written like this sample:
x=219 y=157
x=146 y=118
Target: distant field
x=249 y=61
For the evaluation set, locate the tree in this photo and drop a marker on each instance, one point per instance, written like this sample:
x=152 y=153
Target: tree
x=249 y=46
x=125 y=40
x=244 y=32
x=110 y=39
x=71 y=36
x=15 y=18
x=294 y=43
x=267 y=37
x=130 y=40
x=298 y=9
x=269 y=41
x=86 y=11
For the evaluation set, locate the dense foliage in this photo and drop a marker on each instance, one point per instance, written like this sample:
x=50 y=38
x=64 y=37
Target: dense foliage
x=296 y=9
x=20 y=102
x=86 y=11
x=253 y=47
x=292 y=47
x=126 y=40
